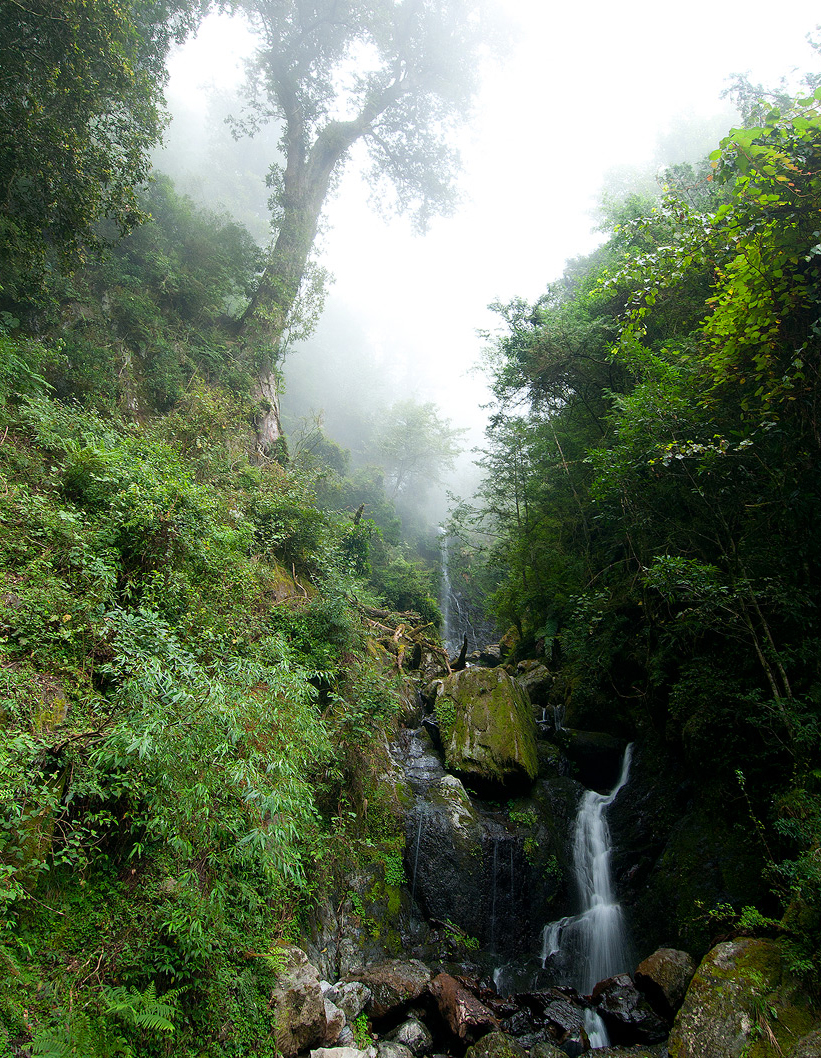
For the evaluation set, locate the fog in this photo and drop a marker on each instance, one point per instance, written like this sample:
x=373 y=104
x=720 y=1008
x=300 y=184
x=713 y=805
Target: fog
x=588 y=96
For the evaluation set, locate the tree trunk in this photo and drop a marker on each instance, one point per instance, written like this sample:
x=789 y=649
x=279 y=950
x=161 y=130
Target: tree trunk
x=264 y=323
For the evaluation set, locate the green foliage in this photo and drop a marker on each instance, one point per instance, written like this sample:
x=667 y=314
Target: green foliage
x=81 y=109
x=405 y=584
x=445 y=712
x=394 y=869
x=456 y=936
x=149 y=323
x=652 y=493
x=415 y=446
x=524 y=818
x=362 y=1032
x=81 y=1033
x=169 y=771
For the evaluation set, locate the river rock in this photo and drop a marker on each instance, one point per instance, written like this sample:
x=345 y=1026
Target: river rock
x=719 y=1016
x=487 y=729
x=645 y=1050
x=497 y=1045
x=298 y=1004
x=343 y=1052
x=626 y=1013
x=546 y=1050
x=554 y=1009
x=350 y=996
x=334 y=1021
x=413 y=1035
x=536 y=680
x=466 y=1016
x=663 y=978
x=392 y=1049
x=393 y=984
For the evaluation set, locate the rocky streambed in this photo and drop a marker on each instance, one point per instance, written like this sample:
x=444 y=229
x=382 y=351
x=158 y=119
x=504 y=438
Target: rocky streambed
x=407 y=1009
x=467 y=956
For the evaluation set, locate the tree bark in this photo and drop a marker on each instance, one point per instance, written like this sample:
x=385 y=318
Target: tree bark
x=306 y=182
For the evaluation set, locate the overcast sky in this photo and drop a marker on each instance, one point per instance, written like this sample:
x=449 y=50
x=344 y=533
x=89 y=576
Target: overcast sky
x=588 y=87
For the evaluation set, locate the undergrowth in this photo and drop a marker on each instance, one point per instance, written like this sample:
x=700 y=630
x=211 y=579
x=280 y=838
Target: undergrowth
x=187 y=705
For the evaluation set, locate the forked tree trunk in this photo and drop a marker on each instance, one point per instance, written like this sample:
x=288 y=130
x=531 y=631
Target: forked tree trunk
x=263 y=324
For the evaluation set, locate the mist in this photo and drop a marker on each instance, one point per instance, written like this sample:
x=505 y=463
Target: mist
x=588 y=104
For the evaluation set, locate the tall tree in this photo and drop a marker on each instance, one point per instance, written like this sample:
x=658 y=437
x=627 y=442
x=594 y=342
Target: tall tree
x=395 y=75
x=415 y=446
x=80 y=108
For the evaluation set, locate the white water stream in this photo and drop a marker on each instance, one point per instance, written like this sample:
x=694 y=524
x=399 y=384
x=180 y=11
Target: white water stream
x=445 y=590
x=593 y=943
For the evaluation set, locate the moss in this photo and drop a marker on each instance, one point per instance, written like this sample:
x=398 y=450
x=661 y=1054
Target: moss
x=492 y=734
x=741 y=999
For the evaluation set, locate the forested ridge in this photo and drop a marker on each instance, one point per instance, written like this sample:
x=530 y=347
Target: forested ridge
x=209 y=633
x=652 y=494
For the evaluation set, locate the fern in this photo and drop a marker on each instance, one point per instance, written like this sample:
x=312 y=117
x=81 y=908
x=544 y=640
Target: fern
x=143 y=1010
x=80 y=1036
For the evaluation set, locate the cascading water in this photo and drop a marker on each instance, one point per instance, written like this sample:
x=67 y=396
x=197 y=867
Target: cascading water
x=593 y=944
x=445 y=590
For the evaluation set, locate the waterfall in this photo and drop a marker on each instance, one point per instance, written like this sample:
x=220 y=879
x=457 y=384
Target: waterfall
x=445 y=588
x=416 y=853
x=592 y=944
x=493 y=902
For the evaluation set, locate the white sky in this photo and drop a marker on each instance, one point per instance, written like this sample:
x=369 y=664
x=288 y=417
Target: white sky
x=588 y=87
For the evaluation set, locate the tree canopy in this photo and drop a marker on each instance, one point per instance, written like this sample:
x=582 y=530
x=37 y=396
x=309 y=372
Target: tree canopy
x=395 y=75
x=81 y=106
x=652 y=494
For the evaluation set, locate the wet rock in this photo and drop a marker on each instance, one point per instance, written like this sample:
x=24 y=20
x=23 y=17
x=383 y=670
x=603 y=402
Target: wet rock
x=413 y=1035
x=626 y=1013
x=468 y=866
x=394 y=984
x=346 y=1037
x=537 y=680
x=392 y=1049
x=466 y=1016
x=334 y=1021
x=443 y=854
x=676 y=839
x=487 y=729
x=546 y=1050
x=519 y=1024
x=350 y=996
x=490 y=655
x=597 y=757
x=653 y=1050
x=808 y=1047
x=740 y=992
x=556 y=1010
x=663 y=978
x=496 y=1045
x=298 y=1005
x=343 y=1052
x=557 y=1017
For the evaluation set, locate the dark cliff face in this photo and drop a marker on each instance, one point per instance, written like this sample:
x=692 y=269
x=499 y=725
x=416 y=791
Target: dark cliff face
x=680 y=847
x=496 y=869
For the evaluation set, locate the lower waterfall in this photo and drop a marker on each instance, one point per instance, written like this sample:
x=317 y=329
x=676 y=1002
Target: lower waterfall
x=588 y=947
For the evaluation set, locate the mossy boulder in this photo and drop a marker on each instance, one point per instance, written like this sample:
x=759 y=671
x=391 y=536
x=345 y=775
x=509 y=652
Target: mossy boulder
x=498 y=1045
x=487 y=728
x=297 y=1004
x=742 y=1001
x=444 y=856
